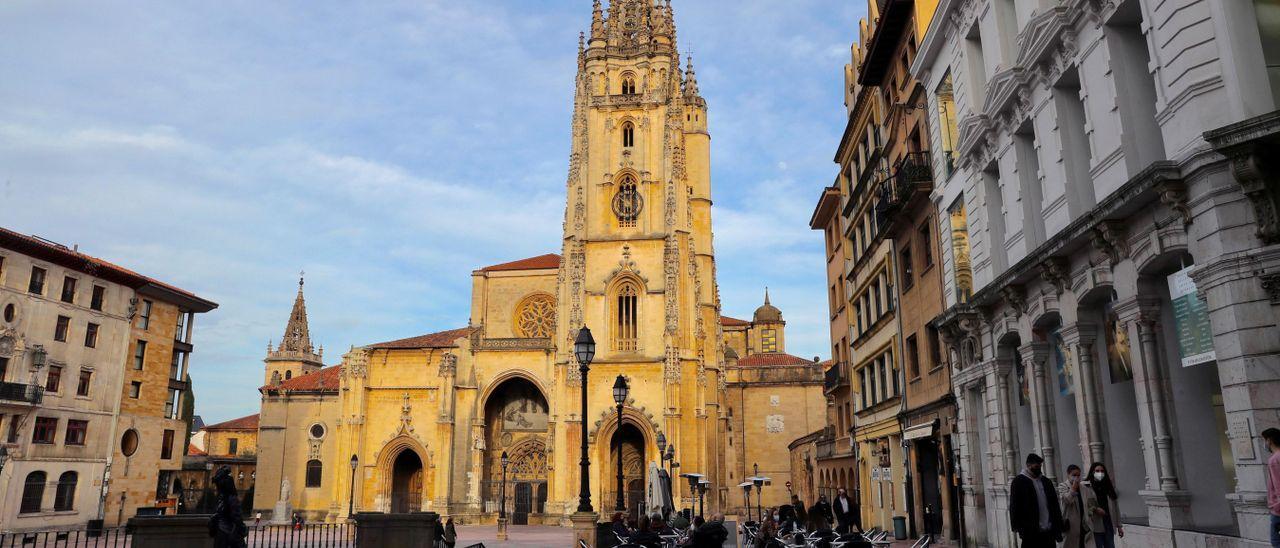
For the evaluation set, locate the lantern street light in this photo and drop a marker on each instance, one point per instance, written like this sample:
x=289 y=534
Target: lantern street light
x=351 y=490
x=502 y=499
x=584 y=348
x=703 y=485
x=620 y=390
x=746 y=494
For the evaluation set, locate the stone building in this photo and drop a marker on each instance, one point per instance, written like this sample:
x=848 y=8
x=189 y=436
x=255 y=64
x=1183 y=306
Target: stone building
x=1110 y=255
x=71 y=399
x=234 y=444
x=421 y=423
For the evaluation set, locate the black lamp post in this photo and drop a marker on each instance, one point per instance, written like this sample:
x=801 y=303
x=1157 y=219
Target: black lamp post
x=620 y=390
x=351 y=491
x=746 y=494
x=663 y=457
x=584 y=348
x=502 y=496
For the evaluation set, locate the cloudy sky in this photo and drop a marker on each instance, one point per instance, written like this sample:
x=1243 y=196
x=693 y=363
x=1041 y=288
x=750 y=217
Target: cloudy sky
x=387 y=149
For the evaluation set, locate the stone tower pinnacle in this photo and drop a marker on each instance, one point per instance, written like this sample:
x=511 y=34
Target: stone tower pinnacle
x=295 y=355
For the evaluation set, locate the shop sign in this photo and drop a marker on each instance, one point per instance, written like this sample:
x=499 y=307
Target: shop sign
x=1190 y=320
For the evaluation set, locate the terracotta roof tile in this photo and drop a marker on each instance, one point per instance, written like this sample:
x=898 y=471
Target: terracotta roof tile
x=772 y=359
x=733 y=322
x=550 y=260
x=193 y=451
x=243 y=423
x=442 y=339
x=324 y=379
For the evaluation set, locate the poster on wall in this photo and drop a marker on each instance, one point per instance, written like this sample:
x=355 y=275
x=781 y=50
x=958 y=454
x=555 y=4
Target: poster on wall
x=1119 y=358
x=1062 y=362
x=1190 y=320
x=1024 y=389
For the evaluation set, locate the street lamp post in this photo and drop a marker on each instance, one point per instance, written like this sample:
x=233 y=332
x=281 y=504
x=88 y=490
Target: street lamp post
x=620 y=390
x=502 y=500
x=351 y=490
x=584 y=349
x=662 y=462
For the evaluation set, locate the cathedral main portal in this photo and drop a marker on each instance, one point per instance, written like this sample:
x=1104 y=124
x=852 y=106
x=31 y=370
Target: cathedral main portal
x=516 y=425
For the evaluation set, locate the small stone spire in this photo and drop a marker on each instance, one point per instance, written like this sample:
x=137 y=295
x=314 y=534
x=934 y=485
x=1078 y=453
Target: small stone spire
x=766 y=294
x=297 y=336
x=582 y=45
x=597 y=21
x=691 y=85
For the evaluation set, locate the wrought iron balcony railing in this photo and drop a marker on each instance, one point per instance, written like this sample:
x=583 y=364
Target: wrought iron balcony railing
x=24 y=393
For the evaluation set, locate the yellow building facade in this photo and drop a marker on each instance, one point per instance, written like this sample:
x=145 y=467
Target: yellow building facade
x=421 y=423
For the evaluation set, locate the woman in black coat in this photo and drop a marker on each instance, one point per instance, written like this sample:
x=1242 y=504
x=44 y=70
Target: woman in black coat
x=226 y=525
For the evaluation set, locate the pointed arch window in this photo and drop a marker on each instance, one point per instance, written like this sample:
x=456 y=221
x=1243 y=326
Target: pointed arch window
x=628 y=134
x=627 y=202
x=314 y=473
x=65 y=496
x=628 y=85
x=626 y=317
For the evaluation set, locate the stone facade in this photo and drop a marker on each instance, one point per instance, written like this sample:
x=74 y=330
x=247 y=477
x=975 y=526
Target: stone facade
x=67 y=326
x=1105 y=260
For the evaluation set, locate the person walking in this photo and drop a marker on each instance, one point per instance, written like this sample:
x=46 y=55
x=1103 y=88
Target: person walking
x=820 y=514
x=1272 y=437
x=257 y=519
x=450 y=534
x=799 y=517
x=1034 y=512
x=226 y=525
x=1106 y=515
x=844 y=511
x=1078 y=503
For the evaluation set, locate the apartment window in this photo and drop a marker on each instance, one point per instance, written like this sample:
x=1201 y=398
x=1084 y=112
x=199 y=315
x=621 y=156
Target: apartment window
x=232 y=445
x=314 y=473
x=180 y=332
x=76 y=432
x=32 y=493
x=36 y=285
x=862 y=386
x=65 y=495
x=913 y=360
x=170 y=403
x=13 y=429
x=135 y=389
x=4 y=368
x=139 y=355
x=60 y=330
x=625 y=317
x=166 y=446
x=86 y=378
x=893 y=372
x=144 y=319
x=54 y=380
x=68 y=290
x=908 y=269
x=91 y=335
x=935 y=347
x=857 y=313
x=926 y=244
x=99 y=294
x=46 y=429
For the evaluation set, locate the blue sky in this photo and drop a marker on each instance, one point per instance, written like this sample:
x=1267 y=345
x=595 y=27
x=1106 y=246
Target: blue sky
x=387 y=149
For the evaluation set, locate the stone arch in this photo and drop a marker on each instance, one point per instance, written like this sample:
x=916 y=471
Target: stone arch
x=506 y=375
x=384 y=468
x=516 y=420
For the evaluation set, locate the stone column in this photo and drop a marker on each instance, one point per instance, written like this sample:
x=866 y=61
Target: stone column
x=1004 y=368
x=1080 y=338
x=445 y=471
x=1035 y=357
x=1167 y=505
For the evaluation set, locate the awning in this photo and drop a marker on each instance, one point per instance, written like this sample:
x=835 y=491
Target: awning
x=919 y=431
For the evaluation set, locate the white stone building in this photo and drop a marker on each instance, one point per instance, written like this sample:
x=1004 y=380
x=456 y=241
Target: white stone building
x=1106 y=168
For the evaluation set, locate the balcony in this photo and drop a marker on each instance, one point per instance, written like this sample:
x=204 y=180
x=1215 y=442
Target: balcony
x=22 y=394
x=912 y=181
x=834 y=377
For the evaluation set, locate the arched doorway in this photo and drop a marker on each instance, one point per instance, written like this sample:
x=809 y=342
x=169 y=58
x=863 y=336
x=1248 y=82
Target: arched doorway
x=631 y=441
x=515 y=421
x=406 y=483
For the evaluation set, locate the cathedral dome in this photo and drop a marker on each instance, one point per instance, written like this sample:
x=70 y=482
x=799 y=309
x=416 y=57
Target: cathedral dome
x=767 y=312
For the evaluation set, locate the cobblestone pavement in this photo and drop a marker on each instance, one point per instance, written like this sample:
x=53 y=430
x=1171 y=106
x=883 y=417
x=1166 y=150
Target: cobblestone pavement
x=530 y=536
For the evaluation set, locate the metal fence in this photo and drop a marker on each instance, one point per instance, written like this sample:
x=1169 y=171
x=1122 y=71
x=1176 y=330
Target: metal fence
x=310 y=535
x=114 y=537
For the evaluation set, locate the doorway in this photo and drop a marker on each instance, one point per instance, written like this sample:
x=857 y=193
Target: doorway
x=406 y=483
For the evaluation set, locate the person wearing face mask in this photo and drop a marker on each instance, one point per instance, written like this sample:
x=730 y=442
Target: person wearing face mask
x=1106 y=514
x=1034 y=512
x=1078 y=503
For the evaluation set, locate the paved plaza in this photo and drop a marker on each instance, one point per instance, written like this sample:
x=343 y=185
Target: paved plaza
x=524 y=536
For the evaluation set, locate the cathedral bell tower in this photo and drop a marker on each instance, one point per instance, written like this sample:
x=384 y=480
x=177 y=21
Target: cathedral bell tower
x=638 y=266
x=295 y=355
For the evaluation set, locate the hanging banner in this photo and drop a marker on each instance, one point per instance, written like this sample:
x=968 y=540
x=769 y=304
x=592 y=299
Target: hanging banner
x=1190 y=320
x=1119 y=358
x=1062 y=363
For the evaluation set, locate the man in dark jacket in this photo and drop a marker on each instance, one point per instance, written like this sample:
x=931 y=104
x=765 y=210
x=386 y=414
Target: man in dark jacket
x=1034 y=512
x=820 y=514
x=711 y=534
x=844 y=509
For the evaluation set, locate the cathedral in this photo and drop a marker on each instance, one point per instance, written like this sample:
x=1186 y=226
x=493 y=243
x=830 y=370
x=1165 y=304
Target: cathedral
x=423 y=423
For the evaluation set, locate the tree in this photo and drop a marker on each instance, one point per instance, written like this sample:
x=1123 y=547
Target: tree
x=188 y=410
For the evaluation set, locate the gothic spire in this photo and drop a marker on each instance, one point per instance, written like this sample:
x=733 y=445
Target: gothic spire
x=691 y=90
x=597 y=21
x=297 y=336
x=766 y=294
